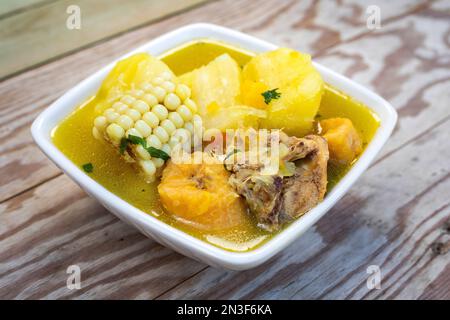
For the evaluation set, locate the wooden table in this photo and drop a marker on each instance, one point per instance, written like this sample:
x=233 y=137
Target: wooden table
x=397 y=216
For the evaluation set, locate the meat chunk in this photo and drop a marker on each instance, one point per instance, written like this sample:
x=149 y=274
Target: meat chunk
x=276 y=199
x=262 y=193
x=307 y=187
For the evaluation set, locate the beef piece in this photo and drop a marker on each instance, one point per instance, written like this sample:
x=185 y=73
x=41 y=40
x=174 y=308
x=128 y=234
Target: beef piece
x=307 y=187
x=275 y=199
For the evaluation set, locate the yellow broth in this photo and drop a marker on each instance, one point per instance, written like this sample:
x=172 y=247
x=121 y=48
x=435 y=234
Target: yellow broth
x=73 y=136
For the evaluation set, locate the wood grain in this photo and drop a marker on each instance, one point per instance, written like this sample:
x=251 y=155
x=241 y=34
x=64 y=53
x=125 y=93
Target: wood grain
x=44 y=231
x=41 y=33
x=391 y=217
x=10 y=7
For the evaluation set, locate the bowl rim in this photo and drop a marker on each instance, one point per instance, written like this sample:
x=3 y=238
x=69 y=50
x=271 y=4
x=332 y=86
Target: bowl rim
x=43 y=125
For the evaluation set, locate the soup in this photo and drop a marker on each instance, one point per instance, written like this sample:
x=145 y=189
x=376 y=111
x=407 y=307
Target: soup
x=73 y=136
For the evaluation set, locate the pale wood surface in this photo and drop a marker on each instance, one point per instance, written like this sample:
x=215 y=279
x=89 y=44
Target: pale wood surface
x=34 y=36
x=10 y=7
x=391 y=217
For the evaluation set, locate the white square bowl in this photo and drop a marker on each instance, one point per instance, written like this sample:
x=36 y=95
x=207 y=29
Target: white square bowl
x=172 y=237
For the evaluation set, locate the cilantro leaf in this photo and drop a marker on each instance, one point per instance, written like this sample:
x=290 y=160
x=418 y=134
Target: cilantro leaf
x=157 y=153
x=269 y=95
x=154 y=152
x=88 y=167
x=137 y=140
x=123 y=145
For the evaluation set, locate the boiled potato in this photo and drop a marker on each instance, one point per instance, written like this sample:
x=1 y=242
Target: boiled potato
x=235 y=117
x=216 y=89
x=297 y=81
x=344 y=142
x=218 y=82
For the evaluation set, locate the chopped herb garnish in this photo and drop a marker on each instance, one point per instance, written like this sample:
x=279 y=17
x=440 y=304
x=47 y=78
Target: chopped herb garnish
x=88 y=167
x=269 y=95
x=123 y=145
x=137 y=140
x=157 y=153
x=154 y=152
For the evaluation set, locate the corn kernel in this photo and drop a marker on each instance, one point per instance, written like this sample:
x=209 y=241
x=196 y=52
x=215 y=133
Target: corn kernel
x=153 y=141
x=108 y=111
x=146 y=87
x=141 y=106
x=191 y=105
x=166 y=75
x=133 y=114
x=158 y=162
x=100 y=123
x=127 y=99
x=151 y=119
x=115 y=132
x=166 y=148
x=133 y=132
x=142 y=153
x=171 y=101
x=160 y=111
x=173 y=141
x=148 y=166
x=150 y=99
x=125 y=122
x=176 y=119
x=159 y=93
x=157 y=81
x=162 y=134
x=182 y=135
x=111 y=115
x=184 y=112
x=120 y=107
x=168 y=126
x=183 y=91
x=197 y=121
x=136 y=93
x=189 y=126
x=169 y=86
x=143 y=128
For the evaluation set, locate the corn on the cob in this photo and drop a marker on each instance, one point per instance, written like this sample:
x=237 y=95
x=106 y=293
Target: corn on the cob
x=157 y=112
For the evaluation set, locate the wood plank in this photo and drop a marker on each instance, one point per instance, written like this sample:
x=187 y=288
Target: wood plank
x=44 y=231
x=17 y=110
x=357 y=232
x=39 y=34
x=9 y=7
x=438 y=289
x=398 y=53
